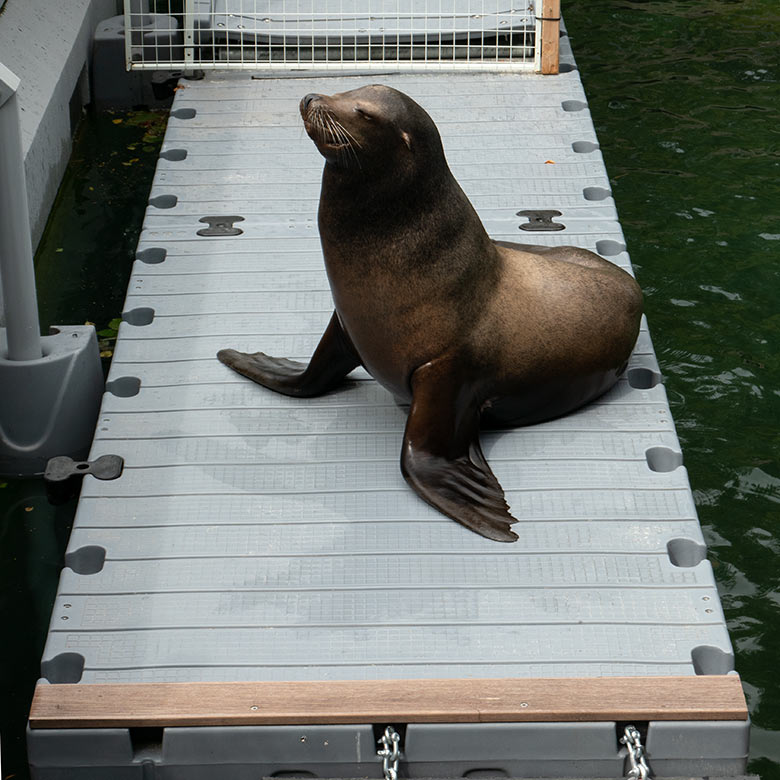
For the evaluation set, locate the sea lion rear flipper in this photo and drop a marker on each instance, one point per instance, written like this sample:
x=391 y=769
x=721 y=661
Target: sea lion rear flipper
x=332 y=360
x=441 y=456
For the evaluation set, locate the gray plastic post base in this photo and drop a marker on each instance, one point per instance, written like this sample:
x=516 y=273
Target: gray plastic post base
x=113 y=86
x=49 y=406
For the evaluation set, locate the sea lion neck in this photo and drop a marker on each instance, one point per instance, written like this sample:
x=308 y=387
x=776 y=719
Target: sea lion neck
x=378 y=185
x=355 y=205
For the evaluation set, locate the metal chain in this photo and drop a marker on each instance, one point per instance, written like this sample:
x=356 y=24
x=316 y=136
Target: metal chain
x=390 y=753
x=636 y=754
x=391 y=740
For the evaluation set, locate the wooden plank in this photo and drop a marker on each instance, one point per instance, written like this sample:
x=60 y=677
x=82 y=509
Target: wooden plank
x=550 y=43
x=381 y=701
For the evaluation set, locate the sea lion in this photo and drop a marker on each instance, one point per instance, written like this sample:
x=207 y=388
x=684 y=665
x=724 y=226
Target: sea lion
x=461 y=327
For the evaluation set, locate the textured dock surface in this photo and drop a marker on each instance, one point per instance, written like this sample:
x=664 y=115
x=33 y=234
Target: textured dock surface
x=257 y=537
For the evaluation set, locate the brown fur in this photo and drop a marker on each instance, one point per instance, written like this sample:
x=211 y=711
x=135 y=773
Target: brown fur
x=461 y=326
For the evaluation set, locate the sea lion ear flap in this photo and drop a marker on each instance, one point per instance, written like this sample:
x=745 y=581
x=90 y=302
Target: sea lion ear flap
x=407 y=139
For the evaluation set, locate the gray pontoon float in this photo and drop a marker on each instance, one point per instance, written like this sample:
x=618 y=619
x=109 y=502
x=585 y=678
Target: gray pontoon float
x=260 y=594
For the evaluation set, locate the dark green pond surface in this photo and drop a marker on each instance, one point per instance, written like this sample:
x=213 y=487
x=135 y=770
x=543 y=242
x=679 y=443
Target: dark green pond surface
x=82 y=268
x=82 y=265
x=684 y=95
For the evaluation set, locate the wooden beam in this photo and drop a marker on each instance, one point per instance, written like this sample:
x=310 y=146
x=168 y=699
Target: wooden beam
x=550 y=41
x=388 y=701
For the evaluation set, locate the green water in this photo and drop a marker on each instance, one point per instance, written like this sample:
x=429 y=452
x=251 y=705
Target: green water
x=684 y=96
x=82 y=265
x=82 y=270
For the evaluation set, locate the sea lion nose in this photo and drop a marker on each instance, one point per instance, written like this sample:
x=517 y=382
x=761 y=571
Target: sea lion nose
x=308 y=99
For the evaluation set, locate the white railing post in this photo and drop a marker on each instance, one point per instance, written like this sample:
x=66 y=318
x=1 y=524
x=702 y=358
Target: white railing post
x=16 y=258
x=50 y=386
x=189 y=36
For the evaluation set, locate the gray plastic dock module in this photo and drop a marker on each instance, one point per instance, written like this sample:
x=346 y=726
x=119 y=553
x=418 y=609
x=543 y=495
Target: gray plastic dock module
x=254 y=537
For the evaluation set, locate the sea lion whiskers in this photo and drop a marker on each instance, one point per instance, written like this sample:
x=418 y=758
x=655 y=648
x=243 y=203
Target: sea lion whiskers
x=331 y=130
x=315 y=116
x=345 y=140
x=346 y=133
x=338 y=129
x=323 y=124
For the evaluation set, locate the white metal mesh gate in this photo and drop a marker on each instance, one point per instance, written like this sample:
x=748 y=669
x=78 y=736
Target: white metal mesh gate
x=340 y=34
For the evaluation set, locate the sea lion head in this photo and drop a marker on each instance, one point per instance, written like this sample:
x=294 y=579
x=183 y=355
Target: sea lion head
x=372 y=129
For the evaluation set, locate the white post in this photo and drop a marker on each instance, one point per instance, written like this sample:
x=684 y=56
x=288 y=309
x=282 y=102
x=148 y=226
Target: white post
x=16 y=257
x=189 y=37
x=48 y=403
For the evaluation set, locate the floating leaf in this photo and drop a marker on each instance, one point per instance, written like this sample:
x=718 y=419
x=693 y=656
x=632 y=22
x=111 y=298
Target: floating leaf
x=115 y=323
x=106 y=353
x=117 y=121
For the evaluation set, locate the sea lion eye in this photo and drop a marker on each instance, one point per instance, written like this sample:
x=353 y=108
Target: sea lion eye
x=363 y=113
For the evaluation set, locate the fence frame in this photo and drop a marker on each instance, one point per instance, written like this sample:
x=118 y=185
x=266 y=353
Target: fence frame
x=179 y=40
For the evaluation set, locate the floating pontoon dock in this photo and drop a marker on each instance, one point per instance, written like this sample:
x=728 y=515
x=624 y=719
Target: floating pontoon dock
x=259 y=593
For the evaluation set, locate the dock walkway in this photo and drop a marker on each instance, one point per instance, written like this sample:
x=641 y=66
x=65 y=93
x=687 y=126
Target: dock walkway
x=260 y=539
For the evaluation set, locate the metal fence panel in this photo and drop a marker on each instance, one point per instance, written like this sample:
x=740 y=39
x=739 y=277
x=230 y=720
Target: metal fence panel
x=490 y=35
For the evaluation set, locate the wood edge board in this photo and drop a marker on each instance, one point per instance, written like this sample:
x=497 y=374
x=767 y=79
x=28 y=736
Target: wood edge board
x=125 y=705
x=550 y=43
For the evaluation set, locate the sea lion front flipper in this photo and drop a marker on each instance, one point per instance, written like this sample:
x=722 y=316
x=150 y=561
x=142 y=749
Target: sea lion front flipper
x=441 y=456
x=332 y=360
